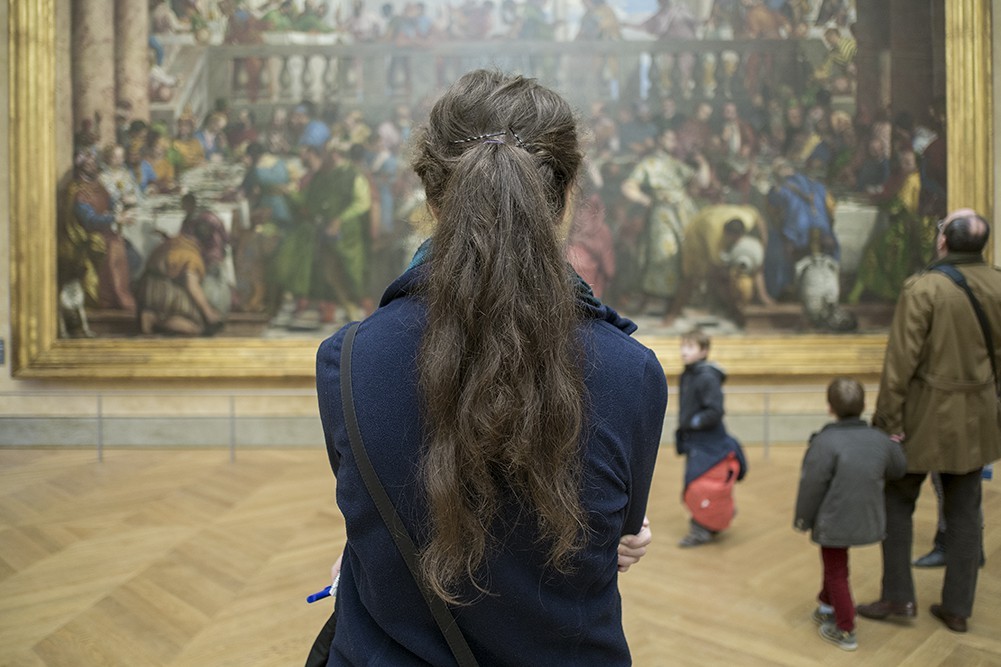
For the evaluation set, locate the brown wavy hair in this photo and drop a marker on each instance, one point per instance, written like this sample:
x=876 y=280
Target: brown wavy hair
x=500 y=375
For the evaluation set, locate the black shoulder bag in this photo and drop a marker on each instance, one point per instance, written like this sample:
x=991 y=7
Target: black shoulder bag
x=442 y=616
x=985 y=326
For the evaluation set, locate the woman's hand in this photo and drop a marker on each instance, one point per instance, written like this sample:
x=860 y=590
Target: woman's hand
x=633 y=547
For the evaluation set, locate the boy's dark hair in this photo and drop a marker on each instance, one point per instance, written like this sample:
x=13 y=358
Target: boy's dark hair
x=698 y=337
x=846 y=397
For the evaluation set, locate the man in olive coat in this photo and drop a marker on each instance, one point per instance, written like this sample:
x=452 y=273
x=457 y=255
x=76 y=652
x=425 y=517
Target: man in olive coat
x=937 y=396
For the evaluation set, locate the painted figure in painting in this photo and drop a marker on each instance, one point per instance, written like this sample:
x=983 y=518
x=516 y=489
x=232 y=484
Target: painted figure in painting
x=803 y=207
x=171 y=293
x=722 y=258
x=904 y=244
x=265 y=187
x=671 y=142
x=158 y=173
x=187 y=148
x=91 y=247
x=590 y=248
x=323 y=259
x=202 y=223
x=660 y=182
x=118 y=179
x=244 y=27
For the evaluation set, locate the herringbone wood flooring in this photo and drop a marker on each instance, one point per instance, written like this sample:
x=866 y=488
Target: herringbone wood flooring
x=179 y=557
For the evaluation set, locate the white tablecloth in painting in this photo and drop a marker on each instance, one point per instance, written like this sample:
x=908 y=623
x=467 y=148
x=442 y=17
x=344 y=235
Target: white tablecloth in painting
x=854 y=222
x=161 y=215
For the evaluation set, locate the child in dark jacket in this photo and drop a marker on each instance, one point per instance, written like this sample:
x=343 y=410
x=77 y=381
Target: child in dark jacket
x=714 y=459
x=840 y=500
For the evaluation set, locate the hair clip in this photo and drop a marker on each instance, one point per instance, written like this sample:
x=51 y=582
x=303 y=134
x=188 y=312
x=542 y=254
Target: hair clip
x=479 y=137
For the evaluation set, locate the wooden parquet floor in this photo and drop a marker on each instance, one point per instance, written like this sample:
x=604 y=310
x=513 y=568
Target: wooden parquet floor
x=182 y=558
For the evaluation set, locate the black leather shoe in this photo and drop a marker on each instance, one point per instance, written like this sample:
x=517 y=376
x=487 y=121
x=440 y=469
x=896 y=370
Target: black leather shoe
x=934 y=558
x=883 y=608
x=953 y=622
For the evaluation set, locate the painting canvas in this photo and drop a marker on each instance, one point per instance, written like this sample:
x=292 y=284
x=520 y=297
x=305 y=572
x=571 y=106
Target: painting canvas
x=237 y=182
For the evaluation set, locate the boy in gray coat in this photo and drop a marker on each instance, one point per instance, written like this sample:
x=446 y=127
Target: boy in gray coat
x=840 y=500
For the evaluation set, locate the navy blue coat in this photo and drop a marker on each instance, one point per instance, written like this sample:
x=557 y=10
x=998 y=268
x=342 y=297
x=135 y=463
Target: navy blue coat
x=701 y=436
x=532 y=615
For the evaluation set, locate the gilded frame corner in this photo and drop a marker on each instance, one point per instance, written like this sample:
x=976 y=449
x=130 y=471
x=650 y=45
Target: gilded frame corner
x=39 y=353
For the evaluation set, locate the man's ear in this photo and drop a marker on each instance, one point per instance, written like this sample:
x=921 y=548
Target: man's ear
x=940 y=248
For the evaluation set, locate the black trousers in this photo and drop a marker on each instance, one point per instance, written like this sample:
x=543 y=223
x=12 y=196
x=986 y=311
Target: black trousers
x=961 y=507
x=939 y=542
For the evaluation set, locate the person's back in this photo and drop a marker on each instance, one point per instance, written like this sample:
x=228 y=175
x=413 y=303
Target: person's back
x=938 y=395
x=840 y=500
x=945 y=366
x=487 y=407
x=854 y=459
x=557 y=619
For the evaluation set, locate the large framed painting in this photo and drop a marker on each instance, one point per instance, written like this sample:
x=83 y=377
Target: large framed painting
x=206 y=188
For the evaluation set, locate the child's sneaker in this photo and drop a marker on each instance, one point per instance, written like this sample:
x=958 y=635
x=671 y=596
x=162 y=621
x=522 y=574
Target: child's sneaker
x=840 y=638
x=821 y=617
x=697 y=535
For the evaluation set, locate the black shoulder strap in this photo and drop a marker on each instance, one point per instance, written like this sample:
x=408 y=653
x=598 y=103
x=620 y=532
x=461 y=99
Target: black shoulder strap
x=985 y=326
x=442 y=616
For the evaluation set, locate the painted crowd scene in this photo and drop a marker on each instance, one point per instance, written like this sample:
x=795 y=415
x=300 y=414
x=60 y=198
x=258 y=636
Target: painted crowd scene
x=241 y=167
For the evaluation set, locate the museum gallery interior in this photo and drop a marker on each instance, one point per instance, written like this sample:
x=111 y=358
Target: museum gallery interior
x=166 y=497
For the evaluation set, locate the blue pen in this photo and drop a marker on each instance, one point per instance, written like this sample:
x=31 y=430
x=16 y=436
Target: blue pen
x=325 y=593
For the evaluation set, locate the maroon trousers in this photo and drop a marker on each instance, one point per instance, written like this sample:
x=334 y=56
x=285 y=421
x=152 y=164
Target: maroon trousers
x=836 y=591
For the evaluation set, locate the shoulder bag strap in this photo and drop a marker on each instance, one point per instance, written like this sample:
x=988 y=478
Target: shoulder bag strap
x=985 y=326
x=442 y=616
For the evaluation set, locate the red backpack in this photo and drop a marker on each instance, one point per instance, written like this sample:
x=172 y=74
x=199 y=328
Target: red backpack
x=710 y=496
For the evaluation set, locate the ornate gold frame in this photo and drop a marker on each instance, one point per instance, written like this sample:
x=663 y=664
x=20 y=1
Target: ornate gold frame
x=39 y=353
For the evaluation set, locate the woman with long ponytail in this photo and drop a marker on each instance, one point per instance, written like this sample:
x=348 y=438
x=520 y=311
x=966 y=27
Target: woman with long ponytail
x=510 y=417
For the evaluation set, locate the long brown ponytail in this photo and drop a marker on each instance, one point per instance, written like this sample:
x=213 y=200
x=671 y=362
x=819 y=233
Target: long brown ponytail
x=499 y=365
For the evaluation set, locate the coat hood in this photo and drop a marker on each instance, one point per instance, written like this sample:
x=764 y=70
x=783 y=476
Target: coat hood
x=705 y=366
